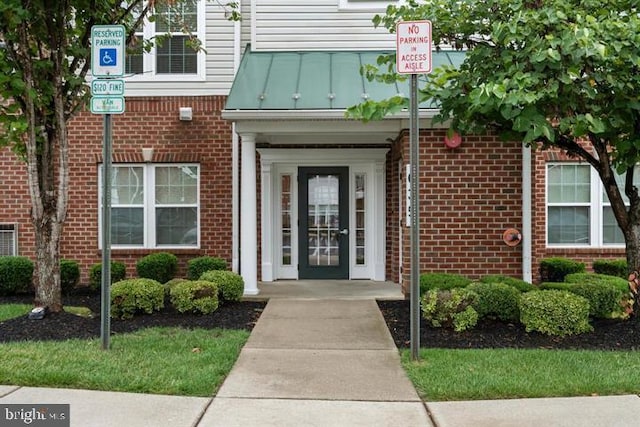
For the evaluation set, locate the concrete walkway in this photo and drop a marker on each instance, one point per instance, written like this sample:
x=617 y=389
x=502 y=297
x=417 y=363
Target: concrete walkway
x=318 y=361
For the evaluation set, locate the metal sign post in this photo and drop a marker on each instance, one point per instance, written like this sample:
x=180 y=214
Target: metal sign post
x=413 y=56
x=107 y=60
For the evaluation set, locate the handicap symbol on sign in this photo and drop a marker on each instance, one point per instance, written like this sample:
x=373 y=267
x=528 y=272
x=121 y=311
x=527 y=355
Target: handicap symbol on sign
x=108 y=57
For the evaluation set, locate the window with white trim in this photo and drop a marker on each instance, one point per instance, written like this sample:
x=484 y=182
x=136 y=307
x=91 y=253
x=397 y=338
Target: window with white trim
x=175 y=30
x=154 y=205
x=578 y=210
x=8 y=239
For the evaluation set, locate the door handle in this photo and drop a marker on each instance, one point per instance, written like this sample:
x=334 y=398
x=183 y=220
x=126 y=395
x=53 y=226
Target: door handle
x=344 y=231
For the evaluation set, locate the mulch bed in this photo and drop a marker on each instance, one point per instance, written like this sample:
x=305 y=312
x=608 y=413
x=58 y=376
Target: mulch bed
x=607 y=334
x=61 y=326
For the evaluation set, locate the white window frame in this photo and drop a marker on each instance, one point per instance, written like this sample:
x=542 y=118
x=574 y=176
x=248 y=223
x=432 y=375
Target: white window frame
x=149 y=69
x=596 y=205
x=14 y=232
x=150 y=205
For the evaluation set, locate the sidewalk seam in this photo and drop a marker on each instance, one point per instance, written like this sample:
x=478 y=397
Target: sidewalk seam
x=11 y=392
x=430 y=415
x=204 y=410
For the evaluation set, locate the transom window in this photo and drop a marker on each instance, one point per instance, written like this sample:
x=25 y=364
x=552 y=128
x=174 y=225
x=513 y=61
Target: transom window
x=154 y=206
x=174 y=29
x=578 y=209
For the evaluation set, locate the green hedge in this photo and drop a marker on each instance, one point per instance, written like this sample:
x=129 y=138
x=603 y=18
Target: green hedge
x=442 y=281
x=118 y=273
x=519 y=284
x=69 y=275
x=16 y=274
x=230 y=284
x=159 y=266
x=132 y=296
x=555 y=269
x=611 y=267
x=197 y=266
x=197 y=296
x=497 y=300
x=452 y=308
x=554 y=312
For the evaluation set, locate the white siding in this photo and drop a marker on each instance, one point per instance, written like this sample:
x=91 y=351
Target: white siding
x=219 y=64
x=315 y=25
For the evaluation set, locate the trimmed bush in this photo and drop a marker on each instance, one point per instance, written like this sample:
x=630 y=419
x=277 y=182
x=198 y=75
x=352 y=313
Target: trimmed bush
x=198 y=296
x=598 y=279
x=170 y=284
x=519 y=284
x=197 y=266
x=69 y=275
x=16 y=274
x=230 y=284
x=118 y=273
x=555 y=269
x=608 y=296
x=442 y=281
x=554 y=312
x=451 y=308
x=611 y=267
x=497 y=300
x=159 y=266
x=132 y=296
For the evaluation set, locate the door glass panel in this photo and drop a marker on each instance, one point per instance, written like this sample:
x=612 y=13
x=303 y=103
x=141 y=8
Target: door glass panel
x=360 y=211
x=285 y=208
x=323 y=224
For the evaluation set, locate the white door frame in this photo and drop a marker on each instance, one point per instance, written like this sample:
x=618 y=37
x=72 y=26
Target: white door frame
x=275 y=162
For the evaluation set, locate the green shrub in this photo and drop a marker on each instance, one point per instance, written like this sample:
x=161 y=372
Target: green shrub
x=195 y=296
x=118 y=273
x=611 y=267
x=555 y=269
x=69 y=275
x=496 y=300
x=170 y=284
x=16 y=274
x=554 y=312
x=442 y=281
x=159 y=266
x=608 y=296
x=598 y=279
x=197 y=266
x=451 y=308
x=230 y=284
x=132 y=296
x=519 y=284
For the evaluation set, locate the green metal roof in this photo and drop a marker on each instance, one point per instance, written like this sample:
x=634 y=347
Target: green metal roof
x=313 y=80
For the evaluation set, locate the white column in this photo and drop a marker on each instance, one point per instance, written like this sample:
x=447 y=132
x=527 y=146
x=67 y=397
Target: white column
x=527 y=233
x=248 y=216
x=379 y=213
x=235 y=200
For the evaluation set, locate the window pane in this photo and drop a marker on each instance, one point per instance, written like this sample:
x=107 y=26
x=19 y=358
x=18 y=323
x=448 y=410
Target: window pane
x=133 y=61
x=569 y=184
x=127 y=185
x=360 y=219
x=175 y=56
x=569 y=225
x=177 y=17
x=127 y=226
x=177 y=226
x=176 y=185
x=285 y=207
x=611 y=234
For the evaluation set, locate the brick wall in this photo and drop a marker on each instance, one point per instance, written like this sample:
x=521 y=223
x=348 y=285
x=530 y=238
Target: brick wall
x=148 y=122
x=468 y=197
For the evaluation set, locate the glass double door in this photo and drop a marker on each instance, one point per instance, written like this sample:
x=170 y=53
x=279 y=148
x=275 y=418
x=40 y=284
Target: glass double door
x=323 y=222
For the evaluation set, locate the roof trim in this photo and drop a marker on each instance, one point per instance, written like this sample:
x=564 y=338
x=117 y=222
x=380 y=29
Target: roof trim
x=310 y=114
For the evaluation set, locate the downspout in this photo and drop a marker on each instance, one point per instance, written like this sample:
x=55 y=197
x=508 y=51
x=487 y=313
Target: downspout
x=235 y=158
x=527 y=234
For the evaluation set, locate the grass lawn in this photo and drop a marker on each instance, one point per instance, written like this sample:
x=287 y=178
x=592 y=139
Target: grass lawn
x=444 y=374
x=157 y=360
x=9 y=311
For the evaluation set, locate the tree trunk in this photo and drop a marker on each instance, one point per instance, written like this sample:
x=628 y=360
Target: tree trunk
x=632 y=240
x=47 y=267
